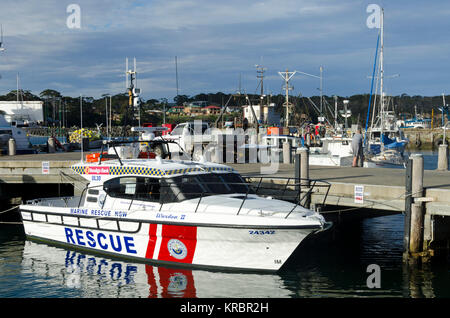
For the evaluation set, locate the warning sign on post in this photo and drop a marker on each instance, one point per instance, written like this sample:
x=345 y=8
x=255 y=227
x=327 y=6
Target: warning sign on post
x=359 y=194
x=45 y=167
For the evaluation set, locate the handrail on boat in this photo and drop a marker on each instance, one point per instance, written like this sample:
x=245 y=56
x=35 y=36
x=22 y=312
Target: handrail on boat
x=303 y=189
x=299 y=185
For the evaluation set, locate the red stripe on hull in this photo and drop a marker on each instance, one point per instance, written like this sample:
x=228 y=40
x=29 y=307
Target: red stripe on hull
x=178 y=243
x=151 y=241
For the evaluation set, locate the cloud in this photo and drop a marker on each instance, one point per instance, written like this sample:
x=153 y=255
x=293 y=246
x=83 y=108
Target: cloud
x=216 y=42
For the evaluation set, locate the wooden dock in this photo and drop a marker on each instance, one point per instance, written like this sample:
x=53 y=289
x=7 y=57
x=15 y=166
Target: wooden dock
x=377 y=190
x=383 y=188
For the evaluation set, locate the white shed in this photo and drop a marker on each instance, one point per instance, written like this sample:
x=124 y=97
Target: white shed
x=23 y=112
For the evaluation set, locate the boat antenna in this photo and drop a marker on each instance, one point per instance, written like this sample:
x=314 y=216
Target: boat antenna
x=133 y=92
x=81 y=125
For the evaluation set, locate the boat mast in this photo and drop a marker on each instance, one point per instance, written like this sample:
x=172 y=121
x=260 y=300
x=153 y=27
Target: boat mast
x=287 y=76
x=381 y=78
x=321 y=90
x=260 y=74
x=335 y=114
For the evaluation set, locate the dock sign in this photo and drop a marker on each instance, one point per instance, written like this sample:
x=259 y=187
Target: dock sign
x=359 y=194
x=45 y=167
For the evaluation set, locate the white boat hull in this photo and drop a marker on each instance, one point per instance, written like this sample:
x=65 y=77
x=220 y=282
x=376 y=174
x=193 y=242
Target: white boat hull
x=330 y=160
x=239 y=245
x=380 y=164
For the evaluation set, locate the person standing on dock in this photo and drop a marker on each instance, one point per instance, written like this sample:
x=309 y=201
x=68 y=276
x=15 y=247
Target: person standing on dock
x=357 y=148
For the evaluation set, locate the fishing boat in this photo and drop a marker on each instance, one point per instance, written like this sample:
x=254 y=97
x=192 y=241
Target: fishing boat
x=386 y=159
x=418 y=121
x=8 y=131
x=334 y=151
x=330 y=143
x=384 y=140
x=187 y=213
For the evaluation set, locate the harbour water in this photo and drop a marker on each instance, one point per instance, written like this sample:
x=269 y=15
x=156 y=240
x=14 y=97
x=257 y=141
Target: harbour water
x=335 y=265
x=328 y=268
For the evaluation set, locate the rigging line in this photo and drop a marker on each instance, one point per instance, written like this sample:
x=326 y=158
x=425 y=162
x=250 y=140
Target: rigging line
x=371 y=88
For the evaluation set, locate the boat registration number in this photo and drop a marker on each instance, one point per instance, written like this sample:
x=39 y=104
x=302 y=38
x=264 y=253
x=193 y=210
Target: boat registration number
x=261 y=232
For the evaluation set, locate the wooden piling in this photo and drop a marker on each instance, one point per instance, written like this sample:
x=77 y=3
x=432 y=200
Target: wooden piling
x=416 y=235
x=297 y=165
x=304 y=174
x=12 y=147
x=408 y=202
x=415 y=216
x=417 y=176
x=304 y=166
x=286 y=152
x=443 y=157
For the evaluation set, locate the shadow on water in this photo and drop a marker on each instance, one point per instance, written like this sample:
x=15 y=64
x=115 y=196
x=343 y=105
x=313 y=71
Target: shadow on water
x=335 y=263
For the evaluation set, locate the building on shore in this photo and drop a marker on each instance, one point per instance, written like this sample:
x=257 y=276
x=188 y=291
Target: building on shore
x=211 y=110
x=201 y=108
x=23 y=113
x=265 y=114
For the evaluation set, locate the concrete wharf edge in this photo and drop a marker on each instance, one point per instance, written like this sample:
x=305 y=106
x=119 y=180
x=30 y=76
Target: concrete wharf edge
x=384 y=189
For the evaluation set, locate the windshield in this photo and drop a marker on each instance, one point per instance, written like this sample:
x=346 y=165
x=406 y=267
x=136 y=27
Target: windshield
x=178 y=130
x=195 y=186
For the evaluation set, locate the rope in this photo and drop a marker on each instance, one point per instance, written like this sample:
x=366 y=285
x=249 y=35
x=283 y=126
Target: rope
x=17 y=223
x=14 y=207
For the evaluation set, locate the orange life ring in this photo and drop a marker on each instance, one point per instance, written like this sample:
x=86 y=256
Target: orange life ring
x=93 y=157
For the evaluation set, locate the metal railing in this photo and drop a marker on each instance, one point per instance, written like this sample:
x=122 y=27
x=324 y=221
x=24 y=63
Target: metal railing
x=301 y=189
x=295 y=190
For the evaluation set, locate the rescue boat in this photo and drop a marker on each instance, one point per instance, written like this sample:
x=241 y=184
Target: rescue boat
x=195 y=214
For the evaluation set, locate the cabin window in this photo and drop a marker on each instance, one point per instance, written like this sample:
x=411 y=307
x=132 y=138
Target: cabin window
x=236 y=183
x=178 y=130
x=147 y=189
x=135 y=188
x=195 y=186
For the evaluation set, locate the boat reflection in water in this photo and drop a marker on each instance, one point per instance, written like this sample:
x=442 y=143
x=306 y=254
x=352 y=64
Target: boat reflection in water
x=89 y=275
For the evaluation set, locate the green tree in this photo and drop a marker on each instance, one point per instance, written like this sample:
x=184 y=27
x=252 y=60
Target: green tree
x=181 y=99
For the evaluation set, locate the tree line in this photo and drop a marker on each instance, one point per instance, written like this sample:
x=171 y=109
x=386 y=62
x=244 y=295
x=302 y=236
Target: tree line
x=65 y=110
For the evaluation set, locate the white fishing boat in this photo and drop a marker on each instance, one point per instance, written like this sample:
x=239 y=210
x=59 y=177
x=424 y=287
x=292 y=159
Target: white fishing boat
x=386 y=159
x=334 y=151
x=418 y=121
x=173 y=212
x=8 y=131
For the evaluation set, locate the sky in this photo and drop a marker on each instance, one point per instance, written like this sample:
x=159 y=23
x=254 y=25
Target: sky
x=218 y=44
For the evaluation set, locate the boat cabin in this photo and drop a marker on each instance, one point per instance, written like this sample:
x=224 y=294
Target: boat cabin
x=156 y=181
